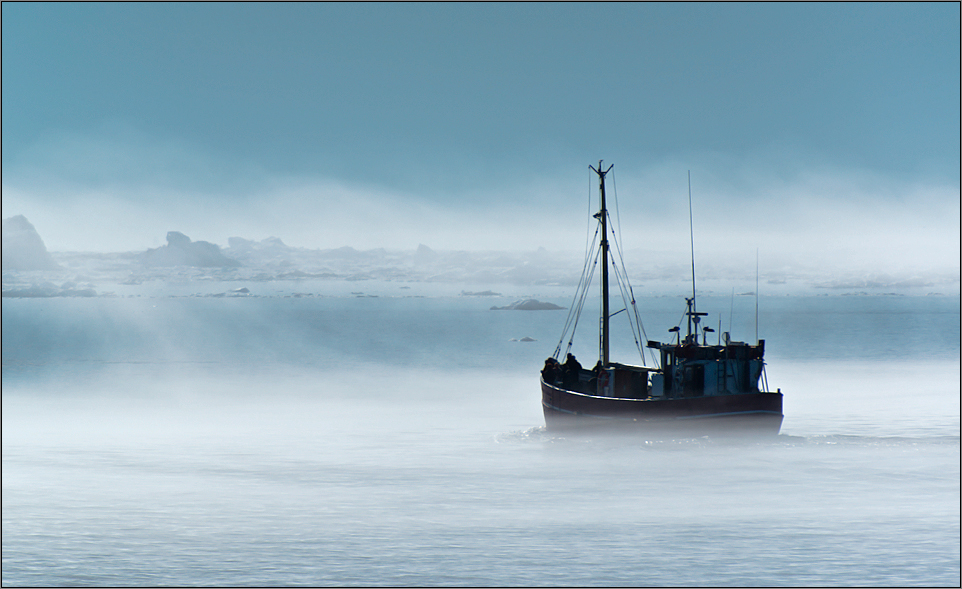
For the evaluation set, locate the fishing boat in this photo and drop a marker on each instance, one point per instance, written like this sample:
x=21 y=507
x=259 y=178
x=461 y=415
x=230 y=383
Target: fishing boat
x=691 y=388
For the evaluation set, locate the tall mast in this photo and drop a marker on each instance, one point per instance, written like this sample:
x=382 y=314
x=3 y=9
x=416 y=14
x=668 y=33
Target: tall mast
x=602 y=215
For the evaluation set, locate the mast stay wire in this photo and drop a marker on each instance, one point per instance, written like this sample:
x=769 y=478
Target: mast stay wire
x=592 y=253
x=581 y=294
x=574 y=312
x=630 y=294
x=624 y=288
x=582 y=300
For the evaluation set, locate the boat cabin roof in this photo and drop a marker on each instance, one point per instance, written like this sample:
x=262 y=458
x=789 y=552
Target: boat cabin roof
x=731 y=351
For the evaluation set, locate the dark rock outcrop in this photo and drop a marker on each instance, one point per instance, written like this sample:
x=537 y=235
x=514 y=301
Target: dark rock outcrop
x=22 y=247
x=528 y=305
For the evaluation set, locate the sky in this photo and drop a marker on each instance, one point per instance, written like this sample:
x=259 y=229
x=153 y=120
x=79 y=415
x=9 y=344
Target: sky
x=471 y=126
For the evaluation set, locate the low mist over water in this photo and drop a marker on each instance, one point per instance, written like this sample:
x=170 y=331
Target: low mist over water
x=399 y=440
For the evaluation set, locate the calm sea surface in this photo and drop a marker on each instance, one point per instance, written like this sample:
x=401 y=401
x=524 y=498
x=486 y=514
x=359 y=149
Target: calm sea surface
x=398 y=440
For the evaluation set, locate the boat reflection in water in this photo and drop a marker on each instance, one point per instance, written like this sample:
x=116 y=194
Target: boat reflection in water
x=695 y=389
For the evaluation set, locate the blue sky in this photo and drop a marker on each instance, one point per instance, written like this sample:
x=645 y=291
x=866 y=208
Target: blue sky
x=471 y=105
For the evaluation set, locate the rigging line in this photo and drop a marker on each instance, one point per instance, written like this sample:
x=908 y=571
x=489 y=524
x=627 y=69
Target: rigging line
x=617 y=220
x=618 y=248
x=680 y=320
x=621 y=254
x=636 y=331
x=614 y=188
x=578 y=302
x=584 y=271
x=654 y=357
x=582 y=302
x=579 y=307
x=589 y=249
x=584 y=281
x=624 y=287
x=731 y=312
x=622 y=277
x=641 y=325
x=568 y=320
x=590 y=216
x=589 y=240
x=620 y=272
x=619 y=245
x=579 y=293
x=630 y=295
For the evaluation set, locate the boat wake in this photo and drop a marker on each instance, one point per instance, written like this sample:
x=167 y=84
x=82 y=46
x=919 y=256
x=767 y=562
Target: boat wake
x=863 y=441
x=532 y=434
x=607 y=439
x=541 y=435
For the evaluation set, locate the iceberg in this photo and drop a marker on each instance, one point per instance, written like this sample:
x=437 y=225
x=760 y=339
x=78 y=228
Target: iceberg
x=23 y=249
x=181 y=251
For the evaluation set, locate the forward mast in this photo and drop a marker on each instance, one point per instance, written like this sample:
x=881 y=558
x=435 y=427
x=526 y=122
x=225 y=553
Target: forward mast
x=602 y=216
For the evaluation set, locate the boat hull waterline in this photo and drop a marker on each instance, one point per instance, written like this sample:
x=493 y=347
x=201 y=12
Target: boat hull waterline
x=741 y=414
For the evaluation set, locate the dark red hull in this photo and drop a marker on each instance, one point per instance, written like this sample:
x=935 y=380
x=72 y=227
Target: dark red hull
x=750 y=413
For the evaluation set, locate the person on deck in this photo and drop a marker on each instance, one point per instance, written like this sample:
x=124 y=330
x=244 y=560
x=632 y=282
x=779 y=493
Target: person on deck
x=572 y=371
x=595 y=375
x=551 y=371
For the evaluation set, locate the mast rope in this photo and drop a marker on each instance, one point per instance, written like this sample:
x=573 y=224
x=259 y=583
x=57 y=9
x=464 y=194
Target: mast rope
x=581 y=302
x=627 y=295
x=627 y=292
x=593 y=252
x=574 y=313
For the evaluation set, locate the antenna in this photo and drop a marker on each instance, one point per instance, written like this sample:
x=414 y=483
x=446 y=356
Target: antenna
x=756 y=295
x=731 y=312
x=691 y=232
x=694 y=317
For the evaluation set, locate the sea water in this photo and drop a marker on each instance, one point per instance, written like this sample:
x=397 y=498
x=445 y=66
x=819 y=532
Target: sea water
x=397 y=439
